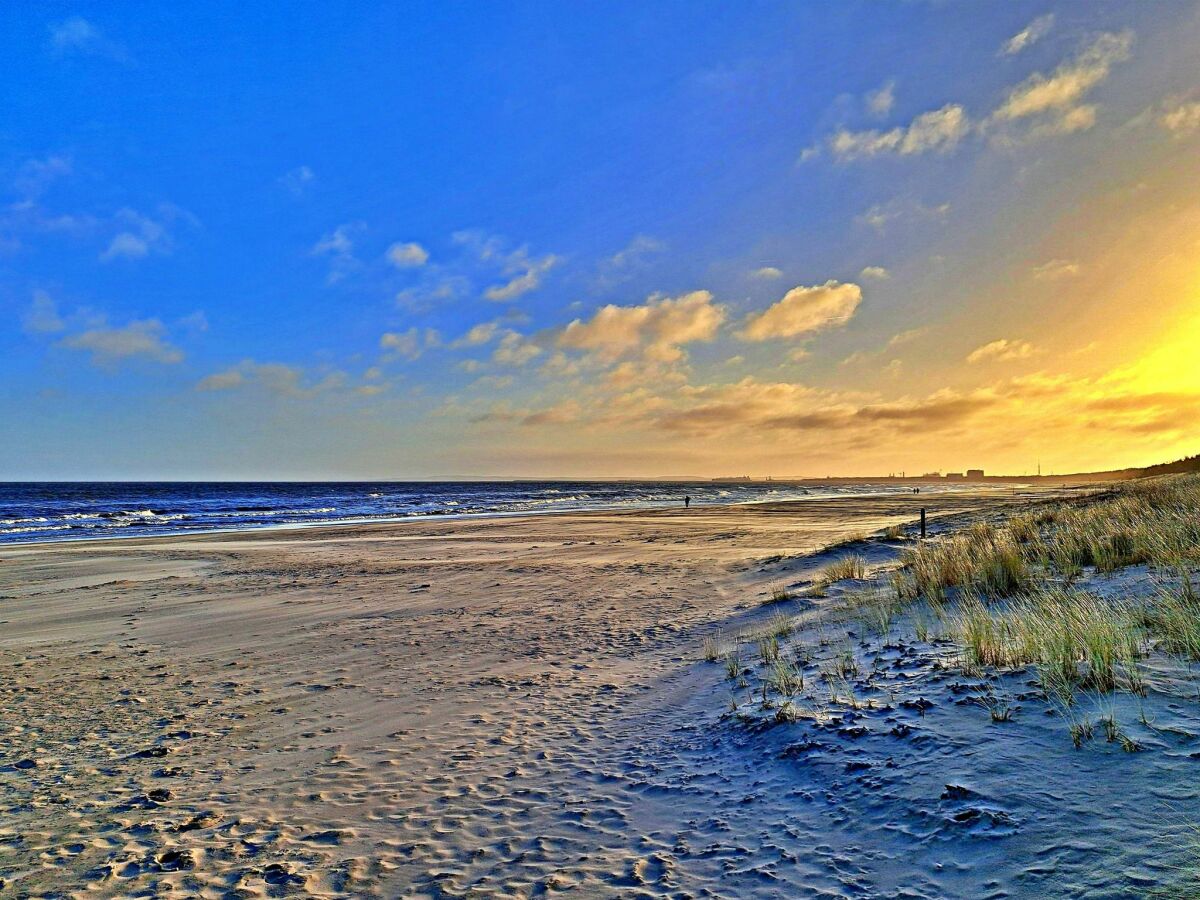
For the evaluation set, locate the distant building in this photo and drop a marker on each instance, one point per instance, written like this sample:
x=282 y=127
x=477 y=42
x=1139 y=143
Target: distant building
x=955 y=476
x=974 y=474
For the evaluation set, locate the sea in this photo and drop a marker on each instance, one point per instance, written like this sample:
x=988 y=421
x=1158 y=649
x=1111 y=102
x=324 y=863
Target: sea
x=56 y=511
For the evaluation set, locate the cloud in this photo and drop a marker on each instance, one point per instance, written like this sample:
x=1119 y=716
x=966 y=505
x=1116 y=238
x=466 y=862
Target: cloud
x=658 y=329
x=338 y=247
x=1056 y=269
x=297 y=181
x=78 y=35
x=755 y=406
x=804 y=310
x=143 y=235
x=939 y=130
x=1181 y=119
x=515 y=349
x=407 y=256
x=477 y=335
x=409 y=345
x=767 y=273
x=524 y=271
x=1002 y=350
x=42 y=316
x=196 y=322
x=528 y=277
x=881 y=215
x=37 y=174
x=126 y=245
x=878 y=273
x=905 y=337
x=881 y=100
x=563 y=413
x=1028 y=36
x=636 y=251
x=1059 y=94
x=280 y=379
x=1045 y=104
x=142 y=339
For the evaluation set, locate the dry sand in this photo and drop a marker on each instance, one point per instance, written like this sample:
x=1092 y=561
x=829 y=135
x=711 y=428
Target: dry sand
x=462 y=708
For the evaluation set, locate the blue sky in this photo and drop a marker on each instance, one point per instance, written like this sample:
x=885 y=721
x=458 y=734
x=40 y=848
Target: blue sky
x=312 y=240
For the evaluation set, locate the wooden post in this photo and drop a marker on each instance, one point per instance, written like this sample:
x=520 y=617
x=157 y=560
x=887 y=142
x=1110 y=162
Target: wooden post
x=922 y=521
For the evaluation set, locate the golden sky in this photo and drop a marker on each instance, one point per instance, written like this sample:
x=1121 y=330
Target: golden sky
x=819 y=239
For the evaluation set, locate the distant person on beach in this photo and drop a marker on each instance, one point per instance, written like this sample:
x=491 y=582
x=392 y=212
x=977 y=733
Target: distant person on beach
x=687 y=501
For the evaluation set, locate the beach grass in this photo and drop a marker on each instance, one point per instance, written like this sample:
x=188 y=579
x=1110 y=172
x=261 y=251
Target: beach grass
x=852 y=567
x=778 y=595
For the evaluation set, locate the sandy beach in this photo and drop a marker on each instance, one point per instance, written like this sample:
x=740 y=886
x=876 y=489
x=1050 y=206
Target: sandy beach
x=479 y=707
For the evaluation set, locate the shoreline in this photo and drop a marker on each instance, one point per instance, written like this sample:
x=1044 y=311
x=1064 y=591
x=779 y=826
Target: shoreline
x=666 y=507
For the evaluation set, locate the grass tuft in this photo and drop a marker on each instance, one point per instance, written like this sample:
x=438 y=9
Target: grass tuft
x=846 y=568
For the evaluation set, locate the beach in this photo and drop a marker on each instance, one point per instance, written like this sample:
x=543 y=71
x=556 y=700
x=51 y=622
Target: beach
x=484 y=707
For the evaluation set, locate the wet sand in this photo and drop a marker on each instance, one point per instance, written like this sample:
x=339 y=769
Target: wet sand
x=457 y=708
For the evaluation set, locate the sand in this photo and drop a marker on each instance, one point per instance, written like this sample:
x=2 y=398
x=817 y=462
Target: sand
x=504 y=707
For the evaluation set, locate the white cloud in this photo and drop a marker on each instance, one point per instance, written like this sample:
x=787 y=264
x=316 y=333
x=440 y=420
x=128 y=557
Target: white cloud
x=409 y=345
x=1056 y=269
x=881 y=215
x=767 y=273
x=939 y=130
x=905 y=337
x=196 y=322
x=280 y=379
x=477 y=335
x=636 y=251
x=1044 y=104
x=141 y=235
x=144 y=339
x=658 y=329
x=528 y=277
x=515 y=349
x=804 y=310
x=878 y=273
x=1002 y=350
x=1059 y=94
x=43 y=317
x=524 y=271
x=126 y=245
x=296 y=181
x=881 y=100
x=338 y=247
x=78 y=35
x=1029 y=35
x=623 y=264
x=1181 y=118
x=37 y=174
x=407 y=255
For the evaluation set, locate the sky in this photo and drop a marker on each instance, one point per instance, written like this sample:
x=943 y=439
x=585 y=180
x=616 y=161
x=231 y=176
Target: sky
x=379 y=240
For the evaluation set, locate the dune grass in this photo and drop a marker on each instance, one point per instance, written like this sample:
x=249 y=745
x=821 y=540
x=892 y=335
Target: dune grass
x=846 y=568
x=778 y=595
x=1016 y=604
x=1007 y=596
x=1075 y=640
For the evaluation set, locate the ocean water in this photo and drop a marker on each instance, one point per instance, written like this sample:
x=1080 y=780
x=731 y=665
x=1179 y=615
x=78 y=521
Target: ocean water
x=51 y=511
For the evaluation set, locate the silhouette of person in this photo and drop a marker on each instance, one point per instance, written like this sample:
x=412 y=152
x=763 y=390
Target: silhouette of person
x=687 y=501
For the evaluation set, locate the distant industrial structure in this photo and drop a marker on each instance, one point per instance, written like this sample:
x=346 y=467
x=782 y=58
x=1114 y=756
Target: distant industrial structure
x=1187 y=464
